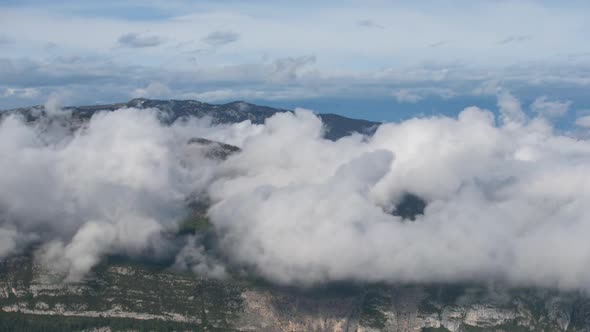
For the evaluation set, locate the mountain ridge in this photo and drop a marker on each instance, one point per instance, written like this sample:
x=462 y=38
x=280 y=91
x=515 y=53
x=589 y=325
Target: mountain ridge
x=337 y=126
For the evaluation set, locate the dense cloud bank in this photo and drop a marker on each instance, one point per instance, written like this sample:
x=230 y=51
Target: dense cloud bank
x=507 y=198
x=112 y=186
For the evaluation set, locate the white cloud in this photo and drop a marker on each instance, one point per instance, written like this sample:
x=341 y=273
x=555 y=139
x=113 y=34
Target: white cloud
x=550 y=108
x=505 y=203
x=488 y=88
x=26 y=93
x=497 y=197
x=153 y=90
x=92 y=80
x=289 y=68
x=249 y=94
x=406 y=96
x=510 y=108
x=583 y=121
x=111 y=187
x=414 y=95
x=275 y=31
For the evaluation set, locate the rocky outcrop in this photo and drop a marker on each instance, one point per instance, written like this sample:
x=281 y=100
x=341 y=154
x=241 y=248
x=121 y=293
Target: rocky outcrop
x=139 y=292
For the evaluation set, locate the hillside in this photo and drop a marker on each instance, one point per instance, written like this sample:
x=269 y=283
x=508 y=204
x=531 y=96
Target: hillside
x=126 y=295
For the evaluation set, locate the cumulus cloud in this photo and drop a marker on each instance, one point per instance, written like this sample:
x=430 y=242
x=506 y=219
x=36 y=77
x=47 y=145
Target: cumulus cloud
x=219 y=38
x=550 y=108
x=136 y=40
x=110 y=187
x=503 y=204
x=506 y=200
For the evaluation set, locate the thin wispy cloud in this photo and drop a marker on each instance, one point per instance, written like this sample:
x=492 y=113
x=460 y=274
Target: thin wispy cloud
x=550 y=108
x=577 y=56
x=406 y=96
x=135 y=40
x=368 y=23
x=439 y=44
x=220 y=38
x=414 y=95
x=514 y=39
x=26 y=93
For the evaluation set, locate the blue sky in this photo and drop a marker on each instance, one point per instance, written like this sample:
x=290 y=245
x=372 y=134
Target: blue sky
x=382 y=60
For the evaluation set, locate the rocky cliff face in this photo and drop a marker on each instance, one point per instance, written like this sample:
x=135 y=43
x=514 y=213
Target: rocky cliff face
x=142 y=292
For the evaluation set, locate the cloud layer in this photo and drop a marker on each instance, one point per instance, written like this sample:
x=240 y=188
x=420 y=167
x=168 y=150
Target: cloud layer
x=506 y=198
x=220 y=38
x=112 y=186
x=505 y=203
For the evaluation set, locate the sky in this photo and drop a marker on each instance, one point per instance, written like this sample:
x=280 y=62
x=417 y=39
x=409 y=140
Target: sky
x=379 y=60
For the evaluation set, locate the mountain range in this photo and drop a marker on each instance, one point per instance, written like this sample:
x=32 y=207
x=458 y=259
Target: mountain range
x=129 y=295
x=337 y=126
